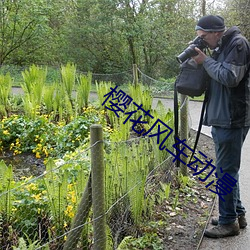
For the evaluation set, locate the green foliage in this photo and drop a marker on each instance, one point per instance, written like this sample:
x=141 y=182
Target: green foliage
x=147 y=241
x=30 y=206
x=6 y=184
x=127 y=162
x=23 y=25
x=29 y=245
x=57 y=188
x=126 y=172
x=43 y=137
x=183 y=180
x=52 y=198
x=141 y=95
x=166 y=188
x=48 y=98
x=34 y=81
x=103 y=36
x=102 y=89
x=83 y=90
x=5 y=90
x=165 y=116
x=176 y=199
x=68 y=74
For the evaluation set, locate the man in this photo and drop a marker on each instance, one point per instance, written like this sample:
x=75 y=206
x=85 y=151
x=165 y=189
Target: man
x=227 y=111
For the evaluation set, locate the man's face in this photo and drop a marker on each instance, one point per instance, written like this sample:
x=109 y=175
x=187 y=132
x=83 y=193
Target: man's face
x=211 y=38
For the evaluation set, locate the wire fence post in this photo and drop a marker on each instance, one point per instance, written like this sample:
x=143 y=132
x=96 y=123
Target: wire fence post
x=183 y=129
x=80 y=218
x=98 y=195
x=135 y=74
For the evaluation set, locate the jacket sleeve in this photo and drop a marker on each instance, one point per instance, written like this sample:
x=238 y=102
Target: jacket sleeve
x=232 y=69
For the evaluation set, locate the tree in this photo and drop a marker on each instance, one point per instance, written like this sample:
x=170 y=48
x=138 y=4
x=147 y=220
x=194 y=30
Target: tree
x=237 y=12
x=21 y=21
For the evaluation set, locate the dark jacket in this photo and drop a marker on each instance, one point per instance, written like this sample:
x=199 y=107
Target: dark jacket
x=228 y=103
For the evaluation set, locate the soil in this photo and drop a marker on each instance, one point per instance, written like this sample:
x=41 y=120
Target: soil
x=25 y=164
x=187 y=224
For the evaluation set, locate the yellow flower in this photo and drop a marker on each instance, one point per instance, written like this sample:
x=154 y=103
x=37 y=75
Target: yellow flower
x=45 y=151
x=37 y=196
x=16 y=152
x=73 y=199
x=14 y=209
x=38 y=156
x=6 y=132
x=31 y=186
x=69 y=211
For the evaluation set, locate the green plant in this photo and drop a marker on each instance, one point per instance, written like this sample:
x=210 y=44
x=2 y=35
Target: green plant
x=48 y=98
x=183 y=180
x=56 y=187
x=83 y=90
x=43 y=137
x=68 y=74
x=126 y=172
x=147 y=241
x=141 y=95
x=29 y=245
x=5 y=90
x=30 y=207
x=165 y=190
x=163 y=137
x=102 y=89
x=34 y=81
x=6 y=184
x=176 y=199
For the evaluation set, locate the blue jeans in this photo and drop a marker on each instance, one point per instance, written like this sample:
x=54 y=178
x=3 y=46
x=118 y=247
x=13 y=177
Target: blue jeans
x=228 y=145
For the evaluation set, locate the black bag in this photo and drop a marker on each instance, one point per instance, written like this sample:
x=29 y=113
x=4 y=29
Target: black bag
x=192 y=80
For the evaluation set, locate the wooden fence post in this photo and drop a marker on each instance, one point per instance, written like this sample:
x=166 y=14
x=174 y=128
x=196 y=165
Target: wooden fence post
x=135 y=74
x=98 y=195
x=183 y=129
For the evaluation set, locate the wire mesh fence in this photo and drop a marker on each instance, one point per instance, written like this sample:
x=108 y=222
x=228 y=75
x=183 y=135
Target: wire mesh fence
x=55 y=209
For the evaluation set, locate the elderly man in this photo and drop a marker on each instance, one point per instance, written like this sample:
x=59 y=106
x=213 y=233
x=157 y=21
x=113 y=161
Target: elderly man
x=227 y=111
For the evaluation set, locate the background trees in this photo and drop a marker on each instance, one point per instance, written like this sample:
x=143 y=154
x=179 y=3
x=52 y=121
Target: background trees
x=107 y=36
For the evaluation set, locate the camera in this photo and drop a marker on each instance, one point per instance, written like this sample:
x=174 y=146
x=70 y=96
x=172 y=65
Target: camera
x=190 y=51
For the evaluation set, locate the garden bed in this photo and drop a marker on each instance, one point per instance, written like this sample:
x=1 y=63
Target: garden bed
x=177 y=222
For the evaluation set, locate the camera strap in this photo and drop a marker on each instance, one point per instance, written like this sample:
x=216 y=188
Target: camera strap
x=176 y=123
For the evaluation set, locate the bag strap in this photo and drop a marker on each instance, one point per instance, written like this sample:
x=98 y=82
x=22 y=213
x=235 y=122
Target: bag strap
x=176 y=123
x=200 y=126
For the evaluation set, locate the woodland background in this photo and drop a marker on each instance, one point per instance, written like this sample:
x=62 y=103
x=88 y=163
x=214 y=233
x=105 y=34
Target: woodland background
x=107 y=36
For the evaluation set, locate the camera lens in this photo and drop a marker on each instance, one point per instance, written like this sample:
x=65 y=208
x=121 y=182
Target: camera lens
x=187 y=53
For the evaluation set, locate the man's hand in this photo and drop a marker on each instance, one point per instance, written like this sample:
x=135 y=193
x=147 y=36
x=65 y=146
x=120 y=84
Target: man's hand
x=200 y=58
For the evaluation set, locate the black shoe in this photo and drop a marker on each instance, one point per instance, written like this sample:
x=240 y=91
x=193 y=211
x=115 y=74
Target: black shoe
x=221 y=231
x=241 y=219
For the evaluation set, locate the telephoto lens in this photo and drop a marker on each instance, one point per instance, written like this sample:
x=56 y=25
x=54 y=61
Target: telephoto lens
x=190 y=50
